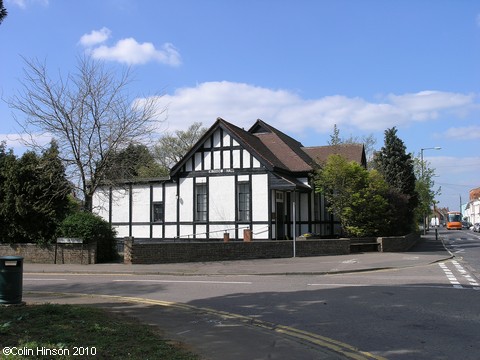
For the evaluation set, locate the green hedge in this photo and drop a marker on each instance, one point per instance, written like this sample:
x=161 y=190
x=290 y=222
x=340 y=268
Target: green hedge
x=91 y=228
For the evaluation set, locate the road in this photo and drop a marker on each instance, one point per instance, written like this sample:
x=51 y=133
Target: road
x=426 y=312
x=465 y=245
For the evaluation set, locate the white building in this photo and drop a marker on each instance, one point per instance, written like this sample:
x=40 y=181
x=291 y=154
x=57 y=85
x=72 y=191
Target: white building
x=472 y=208
x=230 y=180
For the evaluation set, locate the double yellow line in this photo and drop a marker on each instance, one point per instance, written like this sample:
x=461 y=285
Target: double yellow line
x=344 y=349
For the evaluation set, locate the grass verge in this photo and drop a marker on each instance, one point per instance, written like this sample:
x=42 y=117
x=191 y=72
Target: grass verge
x=52 y=331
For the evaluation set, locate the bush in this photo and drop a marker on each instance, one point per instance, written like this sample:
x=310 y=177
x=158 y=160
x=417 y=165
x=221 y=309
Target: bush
x=91 y=228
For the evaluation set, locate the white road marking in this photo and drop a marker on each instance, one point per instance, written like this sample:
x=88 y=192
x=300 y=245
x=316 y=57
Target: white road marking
x=340 y=285
x=43 y=279
x=461 y=270
x=352 y=261
x=465 y=274
x=377 y=285
x=451 y=278
x=185 y=281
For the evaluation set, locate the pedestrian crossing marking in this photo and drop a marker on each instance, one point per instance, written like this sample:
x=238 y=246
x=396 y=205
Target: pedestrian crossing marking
x=464 y=273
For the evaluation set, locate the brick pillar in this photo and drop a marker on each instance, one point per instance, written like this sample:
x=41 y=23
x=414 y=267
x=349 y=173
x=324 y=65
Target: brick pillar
x=127 y=250
x=247 y=235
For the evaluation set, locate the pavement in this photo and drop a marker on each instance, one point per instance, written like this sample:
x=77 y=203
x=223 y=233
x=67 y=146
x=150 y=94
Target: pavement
x=224 y=336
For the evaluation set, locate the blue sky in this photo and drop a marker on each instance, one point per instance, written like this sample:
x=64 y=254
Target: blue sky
x=300 y=65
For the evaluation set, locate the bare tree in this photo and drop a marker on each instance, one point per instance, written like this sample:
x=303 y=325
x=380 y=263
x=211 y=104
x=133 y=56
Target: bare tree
x=171 y=148
x=368 y=142
x=90 y=115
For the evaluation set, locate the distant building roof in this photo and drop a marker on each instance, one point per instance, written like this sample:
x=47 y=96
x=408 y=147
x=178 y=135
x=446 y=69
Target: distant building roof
x=352 y=152
x=474 y=194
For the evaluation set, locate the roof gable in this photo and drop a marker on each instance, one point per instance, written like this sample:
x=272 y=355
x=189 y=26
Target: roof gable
x=275 y=150
x=248 y=141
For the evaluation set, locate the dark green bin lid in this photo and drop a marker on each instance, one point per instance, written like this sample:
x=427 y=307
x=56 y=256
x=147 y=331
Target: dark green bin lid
x=11 y=258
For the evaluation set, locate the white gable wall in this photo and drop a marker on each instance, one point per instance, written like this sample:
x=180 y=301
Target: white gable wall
x=170 y=202
x=120 y=208
x=221 y=198
x=186 y=199
x=101 y=202
x=140 y=203
x=260 y=197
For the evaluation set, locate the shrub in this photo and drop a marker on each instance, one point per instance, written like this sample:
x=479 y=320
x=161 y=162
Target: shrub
x=91 y=228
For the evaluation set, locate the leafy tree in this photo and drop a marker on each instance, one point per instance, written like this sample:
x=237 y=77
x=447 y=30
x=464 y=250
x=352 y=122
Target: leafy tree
x=91 y=228
x=171 y=148
x=396 y=166
x=3 y=12
x=135 y=161
x=35 y=196
x=368 y=212
x=90 y=115
x=356 y=196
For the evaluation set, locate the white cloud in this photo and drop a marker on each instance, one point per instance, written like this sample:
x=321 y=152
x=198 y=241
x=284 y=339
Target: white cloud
x=95 y=37
x=18 y=141
x=236 y=102
x=128 y=51
x=445 y=166
x=425 y=105
x=463 y=133
x=242 y=104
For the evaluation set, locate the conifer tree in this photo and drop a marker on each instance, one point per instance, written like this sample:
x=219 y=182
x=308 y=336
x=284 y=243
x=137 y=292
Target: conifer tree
x=397 y=168
x=3 y=12
x=34 y=196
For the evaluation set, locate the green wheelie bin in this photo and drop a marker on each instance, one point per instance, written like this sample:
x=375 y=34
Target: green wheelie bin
x=11 y=279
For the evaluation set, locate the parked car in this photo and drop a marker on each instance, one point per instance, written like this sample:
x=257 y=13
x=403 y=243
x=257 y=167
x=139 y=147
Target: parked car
x=466 y=225
x=476 y=227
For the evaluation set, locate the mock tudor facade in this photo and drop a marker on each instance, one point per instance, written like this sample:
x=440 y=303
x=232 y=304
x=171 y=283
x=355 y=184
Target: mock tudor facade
x=231 y=180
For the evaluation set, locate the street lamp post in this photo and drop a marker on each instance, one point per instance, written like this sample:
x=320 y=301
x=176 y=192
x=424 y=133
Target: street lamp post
x=422 y=170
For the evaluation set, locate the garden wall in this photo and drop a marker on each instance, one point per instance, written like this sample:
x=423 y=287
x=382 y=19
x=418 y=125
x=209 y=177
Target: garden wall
x=65 y=253
x=398 y=243
x=155 y=252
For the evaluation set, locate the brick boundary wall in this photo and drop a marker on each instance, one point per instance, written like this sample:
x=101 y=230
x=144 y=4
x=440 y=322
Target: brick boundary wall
x=398 y=243
x=66 y=253
x=159 y=252
x=155 y=252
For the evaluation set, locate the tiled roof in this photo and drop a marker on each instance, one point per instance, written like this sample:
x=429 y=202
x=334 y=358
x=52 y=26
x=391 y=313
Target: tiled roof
x=294 y=156
x=352 y=152
x=253 y=144
x=287 y=155
x=278 y=151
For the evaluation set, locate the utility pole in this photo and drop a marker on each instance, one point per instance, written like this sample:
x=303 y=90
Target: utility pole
x=461 y=205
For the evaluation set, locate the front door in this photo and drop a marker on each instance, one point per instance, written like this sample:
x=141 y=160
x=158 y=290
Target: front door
x=280 y=221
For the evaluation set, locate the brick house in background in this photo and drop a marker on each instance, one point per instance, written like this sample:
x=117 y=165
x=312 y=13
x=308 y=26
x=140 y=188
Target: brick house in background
x=230 y=180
